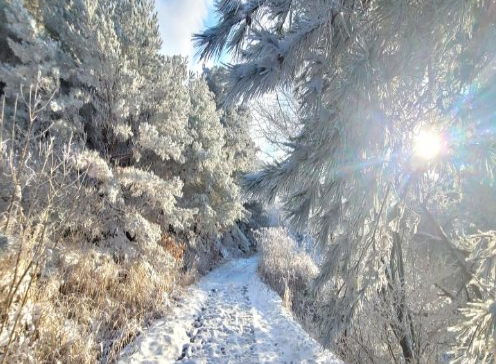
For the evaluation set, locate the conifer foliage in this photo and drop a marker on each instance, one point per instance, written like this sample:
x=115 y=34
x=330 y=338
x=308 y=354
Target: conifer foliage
x=396 y=128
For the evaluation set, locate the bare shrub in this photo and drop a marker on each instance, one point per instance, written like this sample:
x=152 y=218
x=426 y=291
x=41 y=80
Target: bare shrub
x=36 y=185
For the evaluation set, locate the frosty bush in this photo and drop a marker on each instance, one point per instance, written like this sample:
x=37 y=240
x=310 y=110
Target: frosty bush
x=288 y=271
x=37 y=183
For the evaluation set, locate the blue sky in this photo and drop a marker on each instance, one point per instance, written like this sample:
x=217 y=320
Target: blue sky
x=179 y=19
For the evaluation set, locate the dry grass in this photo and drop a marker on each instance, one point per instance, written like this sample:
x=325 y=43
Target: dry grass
x=92 y=307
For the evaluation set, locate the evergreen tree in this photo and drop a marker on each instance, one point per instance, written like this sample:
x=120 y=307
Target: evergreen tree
x=207 y=174
x=164 y=128
x=151 y=131
x=34 y=57
x=236 y=120
x=32 y=70
x=375 y=80
x=138 y=106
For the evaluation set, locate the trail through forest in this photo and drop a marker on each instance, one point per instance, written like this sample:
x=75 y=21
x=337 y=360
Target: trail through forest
x=229 y=317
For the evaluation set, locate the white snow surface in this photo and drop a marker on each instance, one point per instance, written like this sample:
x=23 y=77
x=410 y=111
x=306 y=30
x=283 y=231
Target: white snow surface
x=230 y=316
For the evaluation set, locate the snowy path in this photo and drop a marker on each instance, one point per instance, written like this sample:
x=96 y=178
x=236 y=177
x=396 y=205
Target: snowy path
x=229 y=317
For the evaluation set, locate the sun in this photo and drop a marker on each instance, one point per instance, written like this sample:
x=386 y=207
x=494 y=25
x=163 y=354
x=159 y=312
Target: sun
x=428 y=145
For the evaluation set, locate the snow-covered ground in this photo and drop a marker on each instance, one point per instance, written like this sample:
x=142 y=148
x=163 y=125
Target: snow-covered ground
x=229 y=317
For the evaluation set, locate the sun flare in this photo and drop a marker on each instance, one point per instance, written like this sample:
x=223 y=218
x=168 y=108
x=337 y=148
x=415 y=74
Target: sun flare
x=428 y=145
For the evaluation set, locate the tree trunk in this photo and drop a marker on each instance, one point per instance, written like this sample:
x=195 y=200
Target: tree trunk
x=402 y=327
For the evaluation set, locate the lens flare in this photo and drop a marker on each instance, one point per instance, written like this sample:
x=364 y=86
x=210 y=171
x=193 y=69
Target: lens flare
x=428 y=145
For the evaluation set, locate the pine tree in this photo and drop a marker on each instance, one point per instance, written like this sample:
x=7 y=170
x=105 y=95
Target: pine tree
x=138 y=114
x=369 y=78
x=236 y=120
x=128 y=92
x=207 y=174
x=145 y=134
x=34 y=57
x=164 y=128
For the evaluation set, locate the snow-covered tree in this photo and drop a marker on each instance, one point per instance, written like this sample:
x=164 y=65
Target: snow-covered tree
x=236 y=120
x=34 y=69
x=87 y=32
x=387 y=92
x=36 y=55
x=112 y=158
x=138 y=112
x=138 y=105
x=207 y=173
x=164 y=129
